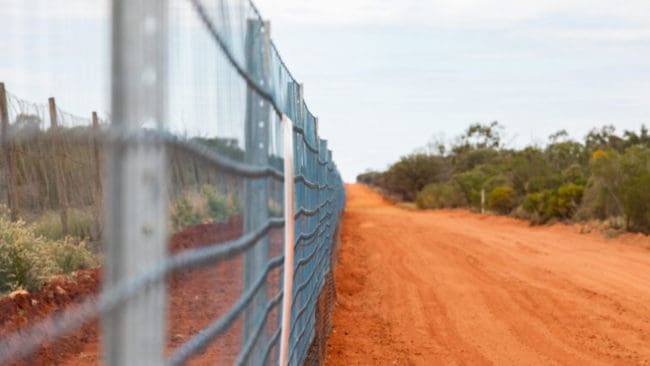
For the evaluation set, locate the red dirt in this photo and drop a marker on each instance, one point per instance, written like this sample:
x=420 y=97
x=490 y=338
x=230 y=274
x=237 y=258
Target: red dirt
x=451 y=287
x=196 y=298
x=22 y=309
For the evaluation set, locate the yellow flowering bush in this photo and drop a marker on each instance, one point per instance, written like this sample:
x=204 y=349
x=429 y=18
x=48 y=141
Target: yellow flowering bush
x=27 y=259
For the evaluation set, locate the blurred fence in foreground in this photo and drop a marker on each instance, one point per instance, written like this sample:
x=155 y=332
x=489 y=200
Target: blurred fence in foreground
x=209 y=180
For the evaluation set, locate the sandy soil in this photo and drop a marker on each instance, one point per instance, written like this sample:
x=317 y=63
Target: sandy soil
x=456 y=288
x=195 y=299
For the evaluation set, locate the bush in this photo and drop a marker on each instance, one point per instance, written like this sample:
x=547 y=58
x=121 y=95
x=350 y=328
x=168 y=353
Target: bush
x=370 y=178
x=601 y=196
x=193 y=208
x=636 y=200
x=435 y=196
x=502 y=199
x=606 y=176
x=471 y=183
x=184 y=214
x=635 y=189
x=619 y=186
x=567 y=200
x=574 y=174
x=217 y=206
x=412 y=173
x=220 y=208
x=26 y=259
x=534 y=203
x=70 y=257
x=562 y=203
x=530 y=171
x=80 y=225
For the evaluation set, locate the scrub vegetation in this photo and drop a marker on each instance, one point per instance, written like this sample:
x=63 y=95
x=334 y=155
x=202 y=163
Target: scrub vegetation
x=603 y=177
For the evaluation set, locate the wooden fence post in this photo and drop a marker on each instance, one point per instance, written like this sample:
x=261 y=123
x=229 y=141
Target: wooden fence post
x=58 y=166
x=7 y=148
x=99 y=207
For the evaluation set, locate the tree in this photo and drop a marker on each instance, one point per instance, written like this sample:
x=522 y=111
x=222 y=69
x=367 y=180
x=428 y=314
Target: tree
x=437 y=145
x=371 y=178
x=468 y=159
x=470 y=184
x=409 y=175
x=558 y=136
x=602 y=194
x=482 y=136
x=561 y=155
x=604 y=139
x=531 y=172
x=633 y=192
x=643 y=138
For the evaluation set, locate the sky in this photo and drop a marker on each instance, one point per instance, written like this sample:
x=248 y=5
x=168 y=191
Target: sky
x=384 y=77
x=387 y=76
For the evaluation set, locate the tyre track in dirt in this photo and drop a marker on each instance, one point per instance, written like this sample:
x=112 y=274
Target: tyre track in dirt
x=450 y=287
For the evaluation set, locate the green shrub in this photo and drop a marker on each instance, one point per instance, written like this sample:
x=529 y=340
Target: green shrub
x=534 y=203
x=435 y=196
x=605 y=176
x=220 y=208
x=26 y=259
x=602 y=193
x=471 y=183
x=574 y=174
x=562 y=203
x=217 y=205
x=70 y=257
x=193 y=208
x=567 y=200
x=530 y=171
x=412 y=173
x=502 y=199
x=619 y=186
x=184 y=214
x=635 y=189
x=370 y=178
x=80 y=224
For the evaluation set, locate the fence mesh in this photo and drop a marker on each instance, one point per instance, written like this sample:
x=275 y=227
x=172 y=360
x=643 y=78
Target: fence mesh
x=223 y=209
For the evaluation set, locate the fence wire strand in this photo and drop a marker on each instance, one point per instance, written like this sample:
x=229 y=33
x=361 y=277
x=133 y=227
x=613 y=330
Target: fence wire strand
x=223 y=151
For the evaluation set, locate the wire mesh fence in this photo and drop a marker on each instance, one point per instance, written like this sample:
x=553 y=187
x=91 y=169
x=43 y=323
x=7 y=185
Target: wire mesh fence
x=178 y=197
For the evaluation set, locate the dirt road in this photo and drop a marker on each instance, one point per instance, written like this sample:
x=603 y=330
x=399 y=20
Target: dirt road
x=454 y=288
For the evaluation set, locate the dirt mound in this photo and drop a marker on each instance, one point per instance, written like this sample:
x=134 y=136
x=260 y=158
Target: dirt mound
x=193 y=301
x=22 y=309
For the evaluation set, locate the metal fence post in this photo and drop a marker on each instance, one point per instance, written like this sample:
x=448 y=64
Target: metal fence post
x=299 y=164
x=136 y=204
x=7 y=148
x=289 y=242
x=256 y=192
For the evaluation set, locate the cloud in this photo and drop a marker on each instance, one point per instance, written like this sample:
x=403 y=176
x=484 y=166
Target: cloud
x=467 y=13
x=38 y=10
x=604 y=34
x=574 y=20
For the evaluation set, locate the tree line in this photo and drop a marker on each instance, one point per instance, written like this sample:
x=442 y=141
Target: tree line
x=606 y=176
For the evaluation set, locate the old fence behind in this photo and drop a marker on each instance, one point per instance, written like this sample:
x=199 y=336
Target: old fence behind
x=208 y=194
